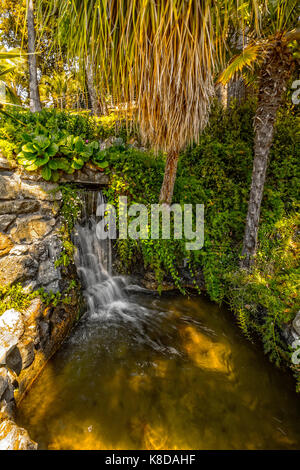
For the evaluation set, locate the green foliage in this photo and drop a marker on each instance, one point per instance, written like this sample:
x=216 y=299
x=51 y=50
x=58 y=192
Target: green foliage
x=54 y=299
x=53 y=153
x=70 y=212
x=37 y=153
x=53 y=141
x=15 y=297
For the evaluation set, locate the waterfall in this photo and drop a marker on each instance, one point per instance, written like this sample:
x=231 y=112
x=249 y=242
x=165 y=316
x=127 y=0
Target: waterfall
x=93 y=258
x=113 y=303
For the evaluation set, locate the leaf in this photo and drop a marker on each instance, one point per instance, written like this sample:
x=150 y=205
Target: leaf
x=53 y=165
x=62 y=164
x=246 y=58
x=86 y=155
x=77 y=163
x=52 y=149
x=103 y=164
x=41 y=141
x=28 y=156
x=25 y=161
x=29 y=148
x=79 y=145
x=42 y=161
x=32 y=167
x=94 y=145
x=46 y=173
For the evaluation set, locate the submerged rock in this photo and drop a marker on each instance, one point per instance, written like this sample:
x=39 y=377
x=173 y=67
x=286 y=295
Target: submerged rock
x=12 y=437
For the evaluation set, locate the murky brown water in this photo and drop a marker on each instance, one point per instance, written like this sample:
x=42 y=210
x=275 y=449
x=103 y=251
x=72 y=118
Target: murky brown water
x=171 y=373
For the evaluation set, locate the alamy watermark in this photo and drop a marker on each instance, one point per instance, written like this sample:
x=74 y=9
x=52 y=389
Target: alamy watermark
x=138 y=221
x=296 y=353
x=296 y=94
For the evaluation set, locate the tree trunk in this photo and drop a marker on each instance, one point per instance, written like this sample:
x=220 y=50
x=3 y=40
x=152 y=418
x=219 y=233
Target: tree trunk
x=166 y=192
x=236 y=90
x=222 y=94
x=95 y=105
x=274 y=75
x=34 y=95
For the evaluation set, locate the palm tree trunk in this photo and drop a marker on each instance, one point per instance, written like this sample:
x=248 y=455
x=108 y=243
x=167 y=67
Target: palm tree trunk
x=34 y=95
x=95 y=105
x=167 y=189
x=274 y=75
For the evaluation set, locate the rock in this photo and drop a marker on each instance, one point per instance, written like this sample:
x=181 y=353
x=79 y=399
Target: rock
x=19 y=207
x=33 y=312
x=8 y=395
x=14 y=360
x=44 y=331
x=7 y=164
x=19 y=250
x=30 y=229
x=11 y=330
x=5 y=244
x=25 y=355
x=7 y=410
x=87 y=177
x=17 y=269
x=41 y=191
x=9 y=187
x=12 y=437
x=48 y=208
x=52 y=287
x=6 y=221
x=4 y=381
x=296 y=323
x=48 y=273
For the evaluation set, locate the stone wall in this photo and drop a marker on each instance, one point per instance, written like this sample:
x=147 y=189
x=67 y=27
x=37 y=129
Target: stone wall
x=29 y=246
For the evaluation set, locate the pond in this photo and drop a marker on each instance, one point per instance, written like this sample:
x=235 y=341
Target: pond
x=150 y=372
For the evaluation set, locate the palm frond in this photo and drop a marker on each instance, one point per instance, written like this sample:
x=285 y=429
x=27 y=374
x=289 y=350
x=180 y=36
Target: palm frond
x=246 y=59
x=160 y=55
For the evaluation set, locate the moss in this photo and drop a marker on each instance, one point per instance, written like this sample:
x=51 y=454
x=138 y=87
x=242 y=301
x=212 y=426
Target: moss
x=15 y=297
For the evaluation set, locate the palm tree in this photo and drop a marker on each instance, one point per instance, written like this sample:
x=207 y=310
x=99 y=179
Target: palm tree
x=90 y=81
x=61 y=88
x=160 y=55
x=34 y=95
x=9 y=62
x=271 y=50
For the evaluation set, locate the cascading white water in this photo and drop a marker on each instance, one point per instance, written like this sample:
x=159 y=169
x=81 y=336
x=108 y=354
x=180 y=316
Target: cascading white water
x=107 y=299
x=93 y=259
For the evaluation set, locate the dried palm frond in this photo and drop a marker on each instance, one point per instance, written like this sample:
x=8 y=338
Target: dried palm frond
x=161 y=55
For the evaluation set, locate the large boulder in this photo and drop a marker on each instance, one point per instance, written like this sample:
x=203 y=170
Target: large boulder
x=12 y=437
x=11 y=330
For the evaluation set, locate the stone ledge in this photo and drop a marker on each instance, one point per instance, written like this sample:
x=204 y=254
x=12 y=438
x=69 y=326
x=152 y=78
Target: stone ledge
x=30 y=340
